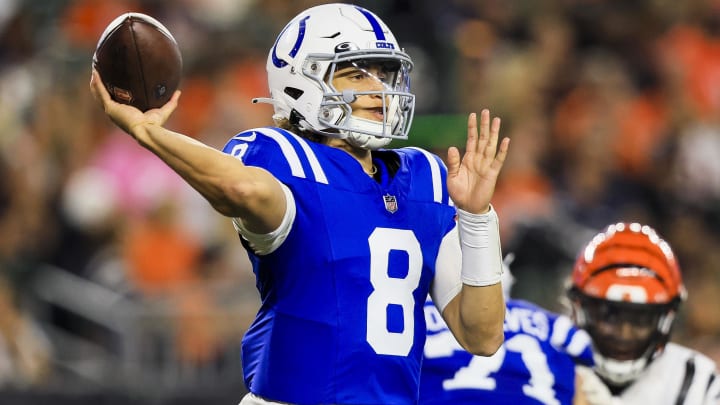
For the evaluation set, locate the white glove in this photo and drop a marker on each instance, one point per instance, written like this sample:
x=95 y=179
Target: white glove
x=593 y=389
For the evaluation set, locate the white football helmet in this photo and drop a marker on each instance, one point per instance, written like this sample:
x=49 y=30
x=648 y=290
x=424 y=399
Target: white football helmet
x=303 y=61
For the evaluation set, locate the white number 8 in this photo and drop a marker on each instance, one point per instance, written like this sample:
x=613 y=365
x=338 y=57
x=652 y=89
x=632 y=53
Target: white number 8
x=389 y=290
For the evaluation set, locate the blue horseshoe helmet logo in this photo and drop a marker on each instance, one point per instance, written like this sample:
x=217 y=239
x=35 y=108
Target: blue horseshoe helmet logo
x=279 y=63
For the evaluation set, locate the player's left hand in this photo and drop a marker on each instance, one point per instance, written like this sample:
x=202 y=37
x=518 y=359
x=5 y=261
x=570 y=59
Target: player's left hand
x=471 y=181
x=126 y=116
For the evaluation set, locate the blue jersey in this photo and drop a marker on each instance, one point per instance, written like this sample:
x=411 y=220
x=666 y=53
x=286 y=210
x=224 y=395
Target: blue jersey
x=341 y=318
x=535 y=364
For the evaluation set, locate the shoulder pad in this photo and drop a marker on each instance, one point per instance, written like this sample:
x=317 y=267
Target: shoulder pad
x=434 y=169
x=279 y=151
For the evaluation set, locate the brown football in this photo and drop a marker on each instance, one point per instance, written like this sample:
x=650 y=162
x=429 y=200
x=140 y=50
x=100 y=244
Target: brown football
x=139 y=61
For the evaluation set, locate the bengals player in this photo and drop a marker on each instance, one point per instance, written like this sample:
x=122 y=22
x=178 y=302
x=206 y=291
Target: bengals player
x=626 y=290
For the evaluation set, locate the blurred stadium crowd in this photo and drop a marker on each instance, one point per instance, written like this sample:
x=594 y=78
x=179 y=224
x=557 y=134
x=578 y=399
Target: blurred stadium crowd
x=117 y=276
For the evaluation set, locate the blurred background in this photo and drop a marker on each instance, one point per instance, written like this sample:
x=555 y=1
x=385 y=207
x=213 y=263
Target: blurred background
x=119 y=284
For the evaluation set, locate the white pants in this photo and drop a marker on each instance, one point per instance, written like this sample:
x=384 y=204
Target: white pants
x=252 y=399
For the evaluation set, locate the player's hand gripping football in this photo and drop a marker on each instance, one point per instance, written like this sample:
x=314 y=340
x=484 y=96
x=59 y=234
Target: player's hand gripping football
x=471 y=180
x=126 y=116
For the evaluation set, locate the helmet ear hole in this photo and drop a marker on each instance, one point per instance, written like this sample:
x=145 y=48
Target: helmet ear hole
x=293 y=92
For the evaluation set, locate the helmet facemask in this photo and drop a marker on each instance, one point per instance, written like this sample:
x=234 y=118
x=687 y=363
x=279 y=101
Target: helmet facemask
x=626 y=336
x=307 y=57
x=392 y=86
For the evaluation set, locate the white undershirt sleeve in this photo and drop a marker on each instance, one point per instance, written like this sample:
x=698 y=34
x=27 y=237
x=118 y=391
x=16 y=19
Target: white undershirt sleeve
x=447 y=282
x=264 y=244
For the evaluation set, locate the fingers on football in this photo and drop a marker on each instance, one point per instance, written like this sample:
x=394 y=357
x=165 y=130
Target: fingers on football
x=93 y=83
x=173 y=102
x=98 y=89
x=167 y=109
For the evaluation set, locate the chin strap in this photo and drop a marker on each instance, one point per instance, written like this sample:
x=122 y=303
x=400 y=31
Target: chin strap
x=364 y=140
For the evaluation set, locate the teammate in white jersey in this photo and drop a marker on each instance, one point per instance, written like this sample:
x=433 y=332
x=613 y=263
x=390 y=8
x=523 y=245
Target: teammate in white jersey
x=536 y=364
x=346 y=238
x=626 y=290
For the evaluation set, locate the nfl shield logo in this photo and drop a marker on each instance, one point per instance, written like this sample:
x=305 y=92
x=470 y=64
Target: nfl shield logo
x=390 y=203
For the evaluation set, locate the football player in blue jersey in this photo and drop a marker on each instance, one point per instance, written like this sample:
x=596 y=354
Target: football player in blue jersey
x=346 y=237
x=535 y=365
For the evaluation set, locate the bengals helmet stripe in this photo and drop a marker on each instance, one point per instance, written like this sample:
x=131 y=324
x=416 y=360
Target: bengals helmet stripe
x=630 y=260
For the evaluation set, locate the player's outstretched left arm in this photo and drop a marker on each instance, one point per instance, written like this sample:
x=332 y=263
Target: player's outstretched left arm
x=476 y=314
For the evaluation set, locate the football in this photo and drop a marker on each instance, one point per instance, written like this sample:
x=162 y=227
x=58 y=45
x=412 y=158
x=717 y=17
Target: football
x=139 y=61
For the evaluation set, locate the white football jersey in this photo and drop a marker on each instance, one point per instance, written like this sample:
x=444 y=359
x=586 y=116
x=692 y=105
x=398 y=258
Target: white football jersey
x=678 y=376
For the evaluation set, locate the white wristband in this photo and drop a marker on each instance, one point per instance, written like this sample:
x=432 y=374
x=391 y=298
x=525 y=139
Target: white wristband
x=480 y=246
